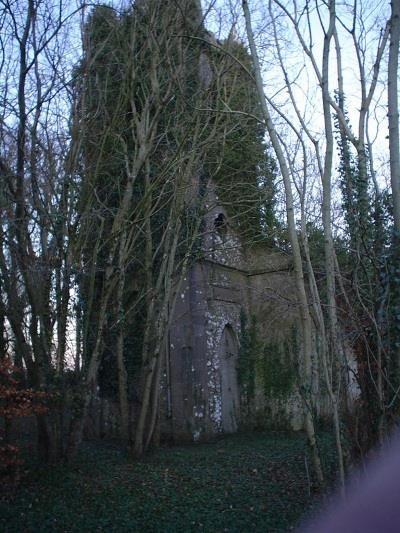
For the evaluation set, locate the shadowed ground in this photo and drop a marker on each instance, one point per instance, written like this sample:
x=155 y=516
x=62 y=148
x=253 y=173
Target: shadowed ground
x=247 y=482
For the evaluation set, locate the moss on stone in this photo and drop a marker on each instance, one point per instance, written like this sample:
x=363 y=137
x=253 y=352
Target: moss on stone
x=277 y=369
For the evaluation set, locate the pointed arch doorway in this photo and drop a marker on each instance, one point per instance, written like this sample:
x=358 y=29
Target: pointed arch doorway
x=230 y=406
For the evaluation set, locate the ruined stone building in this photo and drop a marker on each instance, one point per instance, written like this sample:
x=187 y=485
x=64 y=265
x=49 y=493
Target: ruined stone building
x=205 y=389
x=232 y=350
x=231 y=353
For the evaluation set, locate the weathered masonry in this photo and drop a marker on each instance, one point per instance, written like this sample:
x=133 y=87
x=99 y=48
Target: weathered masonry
x=211 y=384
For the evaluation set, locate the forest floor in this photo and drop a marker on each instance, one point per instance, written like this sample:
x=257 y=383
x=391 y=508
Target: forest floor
x=243 y=483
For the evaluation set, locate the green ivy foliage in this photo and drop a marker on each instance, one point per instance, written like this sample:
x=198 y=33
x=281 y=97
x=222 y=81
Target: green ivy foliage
x=112 y=84
x=368 y=260
x=244 y=170
x=123 y=56
x=248 y=354
x=278 y=370
x=247 y=482
x=268 y=365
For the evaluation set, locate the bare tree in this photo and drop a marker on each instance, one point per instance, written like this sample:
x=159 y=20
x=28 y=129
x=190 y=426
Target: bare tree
x=307 y=348
x=291 y=105
x=34 y=230
x=139 y=163
x=393 y=110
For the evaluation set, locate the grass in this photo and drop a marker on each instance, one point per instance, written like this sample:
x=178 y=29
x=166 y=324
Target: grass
x=242 y=483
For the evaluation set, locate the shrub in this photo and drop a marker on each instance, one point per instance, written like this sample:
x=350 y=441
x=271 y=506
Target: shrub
x=15 y=402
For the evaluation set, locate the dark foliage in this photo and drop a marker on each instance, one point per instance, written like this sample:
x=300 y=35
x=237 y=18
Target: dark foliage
x=15 y=402
x=256 y=482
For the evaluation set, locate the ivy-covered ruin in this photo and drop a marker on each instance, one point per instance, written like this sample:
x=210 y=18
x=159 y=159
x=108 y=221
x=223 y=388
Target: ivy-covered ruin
x=223 y=319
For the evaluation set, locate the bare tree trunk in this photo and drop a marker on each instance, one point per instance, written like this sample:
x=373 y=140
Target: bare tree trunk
x=78 y=421
x=151 y=361
x=393 y=111
x=394 y=148
x=298 y=267
x=78 y=339
x=122 y=374
x=334 y=345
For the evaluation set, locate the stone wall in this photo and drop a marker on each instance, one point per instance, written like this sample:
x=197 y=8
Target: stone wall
x=202 y=390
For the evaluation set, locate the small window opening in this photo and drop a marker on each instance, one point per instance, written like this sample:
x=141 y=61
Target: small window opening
x=220 y=223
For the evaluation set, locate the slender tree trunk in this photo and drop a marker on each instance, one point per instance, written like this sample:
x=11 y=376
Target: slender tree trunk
x=153 y=349
x=46 y=439
x=122 y=374
x=78 y=421
x=333 y=342
x=394 y=148
x=154 y=411
x=78 y=338
x=3 y=345
x=393 y=110
x=298 y=267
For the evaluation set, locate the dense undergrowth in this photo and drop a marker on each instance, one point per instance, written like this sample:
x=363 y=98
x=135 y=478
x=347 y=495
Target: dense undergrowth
x=247 y=482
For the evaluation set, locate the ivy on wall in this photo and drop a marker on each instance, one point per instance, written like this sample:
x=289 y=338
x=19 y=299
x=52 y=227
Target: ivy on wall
x=264 y=367
x=250 y=346
x=277 y=370
x=241 y=166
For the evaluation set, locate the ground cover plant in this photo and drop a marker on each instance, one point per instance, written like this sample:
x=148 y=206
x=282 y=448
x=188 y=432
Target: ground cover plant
x=246 y=482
